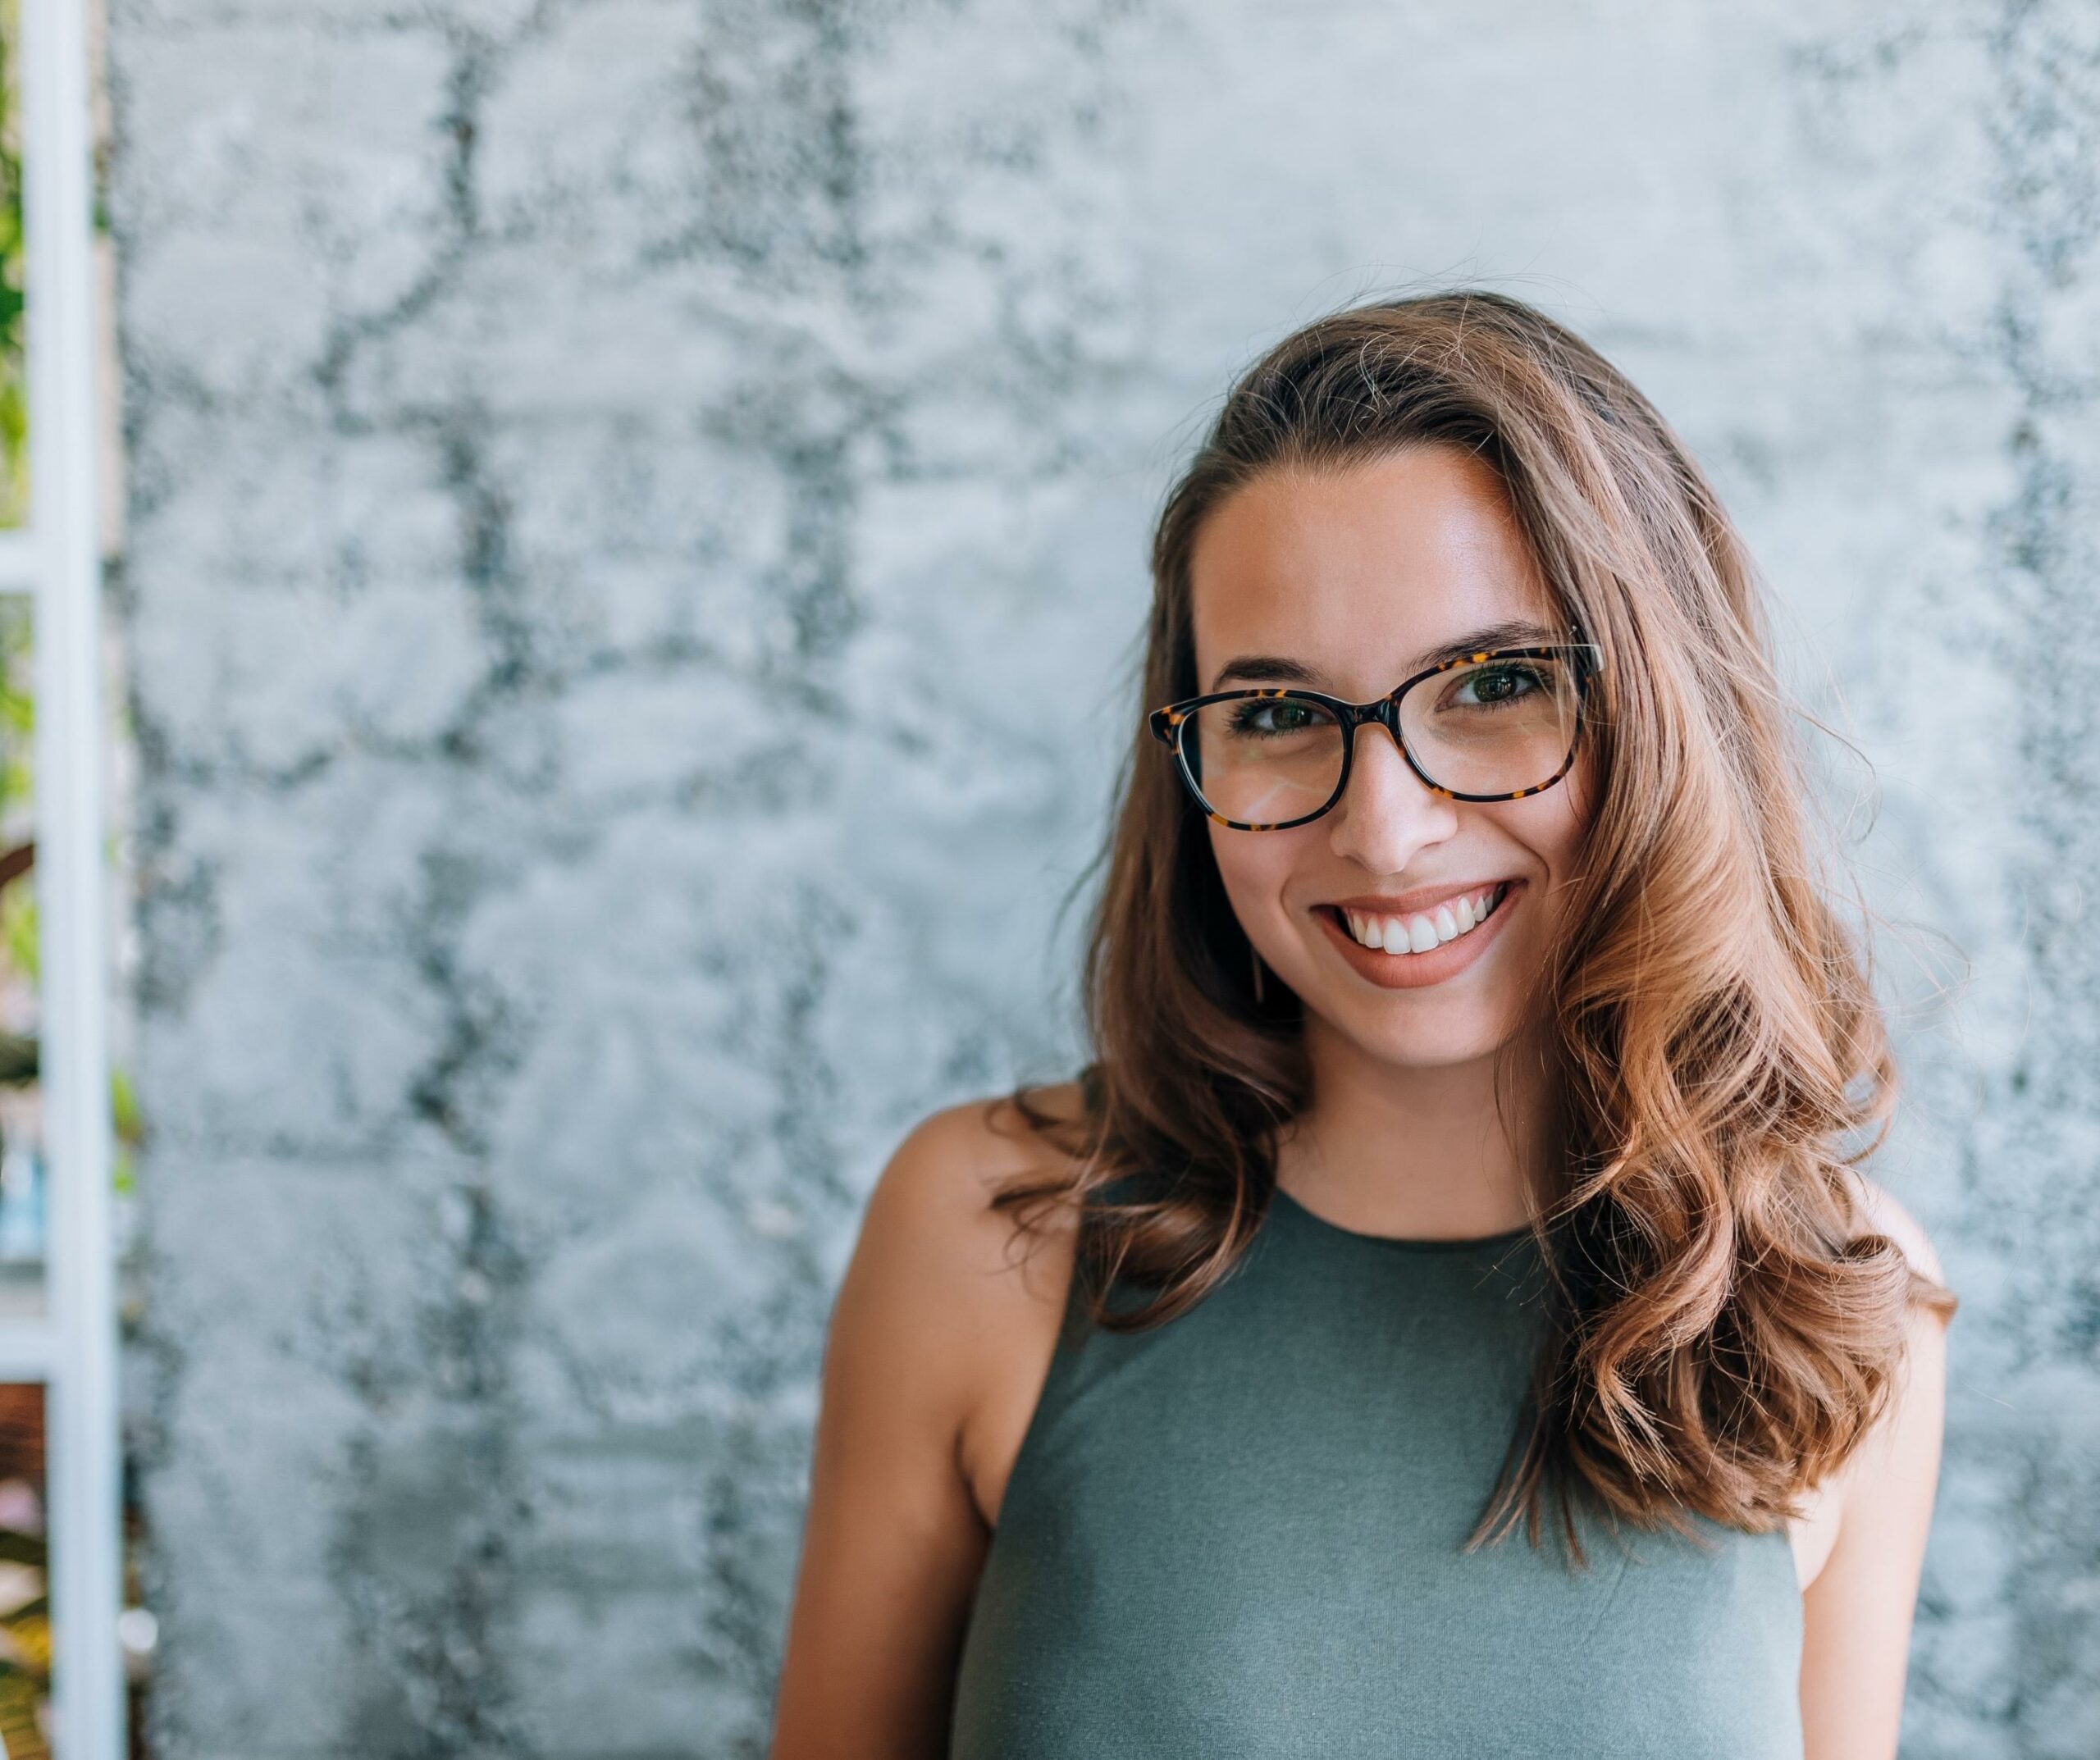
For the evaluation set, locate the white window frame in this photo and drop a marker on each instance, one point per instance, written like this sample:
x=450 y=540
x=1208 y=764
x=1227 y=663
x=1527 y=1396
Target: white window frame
x=56 y=560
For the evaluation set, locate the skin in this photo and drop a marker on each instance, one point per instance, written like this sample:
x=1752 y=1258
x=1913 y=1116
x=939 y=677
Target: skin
x=942 y=1334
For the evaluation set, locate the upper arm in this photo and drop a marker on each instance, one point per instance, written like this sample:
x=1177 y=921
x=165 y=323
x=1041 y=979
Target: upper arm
x=892 y=1543
x=1857 y=1613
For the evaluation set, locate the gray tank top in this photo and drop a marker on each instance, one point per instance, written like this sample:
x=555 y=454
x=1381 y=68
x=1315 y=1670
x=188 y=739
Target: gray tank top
x=1242 y=1534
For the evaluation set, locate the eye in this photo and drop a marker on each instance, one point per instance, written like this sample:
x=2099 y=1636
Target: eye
x=1254 y=718
x=1501 y=682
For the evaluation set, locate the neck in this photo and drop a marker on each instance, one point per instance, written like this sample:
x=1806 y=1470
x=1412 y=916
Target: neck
x=1419 y=1150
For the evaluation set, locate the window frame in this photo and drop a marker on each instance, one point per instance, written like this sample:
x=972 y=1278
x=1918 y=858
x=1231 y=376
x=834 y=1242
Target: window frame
x=55 y=559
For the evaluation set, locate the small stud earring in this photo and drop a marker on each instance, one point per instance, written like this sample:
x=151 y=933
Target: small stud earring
x=1257 y=971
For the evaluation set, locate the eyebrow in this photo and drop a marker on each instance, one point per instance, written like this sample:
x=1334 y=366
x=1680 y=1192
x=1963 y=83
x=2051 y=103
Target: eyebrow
x=1514 y=632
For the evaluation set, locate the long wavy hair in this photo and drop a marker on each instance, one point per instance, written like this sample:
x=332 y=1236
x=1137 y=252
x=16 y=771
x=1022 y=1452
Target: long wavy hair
x=1724 y=1323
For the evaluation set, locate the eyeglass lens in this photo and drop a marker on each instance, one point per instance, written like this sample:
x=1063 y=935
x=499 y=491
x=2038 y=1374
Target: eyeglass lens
x=1492 y=728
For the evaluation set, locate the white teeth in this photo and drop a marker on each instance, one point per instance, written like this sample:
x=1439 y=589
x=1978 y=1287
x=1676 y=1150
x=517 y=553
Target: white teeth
x=1418 y=934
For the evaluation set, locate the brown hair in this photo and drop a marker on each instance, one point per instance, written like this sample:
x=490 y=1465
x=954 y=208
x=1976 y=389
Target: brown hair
x=1725 y=1325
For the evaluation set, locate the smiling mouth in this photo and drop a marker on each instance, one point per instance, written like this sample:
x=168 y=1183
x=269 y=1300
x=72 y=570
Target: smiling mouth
x=1422 y=931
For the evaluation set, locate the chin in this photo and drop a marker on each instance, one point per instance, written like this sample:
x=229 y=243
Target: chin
x=1429 y=1043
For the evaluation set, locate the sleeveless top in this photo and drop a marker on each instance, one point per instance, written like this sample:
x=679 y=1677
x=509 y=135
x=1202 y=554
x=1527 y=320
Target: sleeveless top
x=1241 y=1536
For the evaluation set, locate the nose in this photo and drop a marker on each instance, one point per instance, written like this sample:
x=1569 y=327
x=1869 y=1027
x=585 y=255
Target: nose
x=1387 y=813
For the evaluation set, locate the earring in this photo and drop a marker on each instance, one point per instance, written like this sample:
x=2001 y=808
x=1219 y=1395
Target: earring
x=1258 y=970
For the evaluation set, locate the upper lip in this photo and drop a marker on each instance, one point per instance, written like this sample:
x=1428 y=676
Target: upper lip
x=1423 y=898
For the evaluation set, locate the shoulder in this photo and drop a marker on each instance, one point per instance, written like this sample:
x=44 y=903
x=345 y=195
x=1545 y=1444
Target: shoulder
x=894 y=1536
x=1879 y=1498
x=949 y=1311
x=935 y=1259
x=1885 y=1215
x=1920 y=1381
x=935 y=1193
x=1898 y=1459
x=1862 y=1548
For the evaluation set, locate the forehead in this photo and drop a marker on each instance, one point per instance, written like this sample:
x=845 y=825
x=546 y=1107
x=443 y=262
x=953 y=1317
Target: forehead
x=1356 y=573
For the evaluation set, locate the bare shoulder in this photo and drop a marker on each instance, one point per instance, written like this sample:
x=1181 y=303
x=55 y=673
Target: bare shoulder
x=934 y=1198
x=998 y=1289
x=932 y=1242
x=930 y=1316
x=1920 y=1387
x=1862 y=1549
x=1915 y=1408
x=1903 y=1445
x=1890 y=1218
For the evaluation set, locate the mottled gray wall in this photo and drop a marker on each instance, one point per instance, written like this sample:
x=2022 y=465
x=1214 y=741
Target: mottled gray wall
x=600 y=471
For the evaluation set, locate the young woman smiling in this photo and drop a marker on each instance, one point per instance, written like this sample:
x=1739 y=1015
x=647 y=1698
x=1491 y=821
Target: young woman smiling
x=1451 y=1319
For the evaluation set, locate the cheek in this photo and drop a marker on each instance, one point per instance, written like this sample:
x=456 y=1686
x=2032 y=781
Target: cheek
x=1560 y=845
x=1554 y=832
x=1559 y=820
x=1254 y=867
x=1587 y=778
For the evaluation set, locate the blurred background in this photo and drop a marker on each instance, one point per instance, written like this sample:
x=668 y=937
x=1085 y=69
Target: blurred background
x=618 y=529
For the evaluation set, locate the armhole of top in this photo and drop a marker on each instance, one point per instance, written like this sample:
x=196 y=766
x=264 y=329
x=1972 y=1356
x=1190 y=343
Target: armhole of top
x=1076 y=1324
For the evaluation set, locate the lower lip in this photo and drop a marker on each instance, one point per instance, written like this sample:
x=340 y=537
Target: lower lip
x=1414 y=971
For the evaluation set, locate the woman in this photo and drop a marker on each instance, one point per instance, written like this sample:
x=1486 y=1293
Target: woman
x=1481 y=1341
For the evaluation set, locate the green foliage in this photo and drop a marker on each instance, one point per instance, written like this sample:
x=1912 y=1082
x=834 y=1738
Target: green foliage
x=14 y=387
x=17 y=705
x=18 y=914
x=19 y=939
x=18 y=932
x=128 y=1128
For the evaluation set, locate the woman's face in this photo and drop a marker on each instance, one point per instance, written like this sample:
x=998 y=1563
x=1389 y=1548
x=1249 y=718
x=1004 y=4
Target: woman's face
x=1354 y=578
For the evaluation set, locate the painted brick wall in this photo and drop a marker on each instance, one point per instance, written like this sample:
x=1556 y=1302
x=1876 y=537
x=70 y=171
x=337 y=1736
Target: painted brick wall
x=637 y=513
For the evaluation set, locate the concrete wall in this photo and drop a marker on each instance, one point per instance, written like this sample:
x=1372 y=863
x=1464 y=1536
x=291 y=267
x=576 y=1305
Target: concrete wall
x=595 y=468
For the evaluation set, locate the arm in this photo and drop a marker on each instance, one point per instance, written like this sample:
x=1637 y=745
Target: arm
x=1857 y=1612
x=892 y=1543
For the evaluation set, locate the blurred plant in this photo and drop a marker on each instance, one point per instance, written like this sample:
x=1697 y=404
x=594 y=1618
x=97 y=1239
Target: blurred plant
x=14 y=387
x=26 y=1649
x=19 y=954
x=18 y=913
x=24 y=1608
x=25 y=1581
x=20 y=962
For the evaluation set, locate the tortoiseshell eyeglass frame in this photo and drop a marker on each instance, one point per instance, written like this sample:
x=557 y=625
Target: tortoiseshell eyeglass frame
x=1166 y=724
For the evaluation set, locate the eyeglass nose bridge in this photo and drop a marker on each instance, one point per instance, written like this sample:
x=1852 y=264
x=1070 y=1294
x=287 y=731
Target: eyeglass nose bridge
x=1385 y=712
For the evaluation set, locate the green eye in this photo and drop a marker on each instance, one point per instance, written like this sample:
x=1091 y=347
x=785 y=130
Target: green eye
x=1273 y=716
x=1491 y=685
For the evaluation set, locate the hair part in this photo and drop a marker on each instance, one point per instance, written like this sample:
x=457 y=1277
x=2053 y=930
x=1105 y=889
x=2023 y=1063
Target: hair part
x=1724 y=1325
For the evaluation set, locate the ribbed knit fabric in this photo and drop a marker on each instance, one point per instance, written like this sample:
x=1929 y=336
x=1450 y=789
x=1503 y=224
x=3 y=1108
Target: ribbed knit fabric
x=1242 y=1535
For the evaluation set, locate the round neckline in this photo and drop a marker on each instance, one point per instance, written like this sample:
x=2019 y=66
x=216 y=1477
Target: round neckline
x=1406 y=1243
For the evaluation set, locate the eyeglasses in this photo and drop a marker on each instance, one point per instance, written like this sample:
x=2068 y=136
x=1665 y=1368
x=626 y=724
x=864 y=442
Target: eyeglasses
x=1492 y=726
